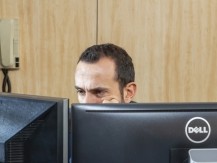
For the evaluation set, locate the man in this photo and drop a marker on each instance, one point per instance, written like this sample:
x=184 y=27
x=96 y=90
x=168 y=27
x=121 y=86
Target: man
x=105 y=74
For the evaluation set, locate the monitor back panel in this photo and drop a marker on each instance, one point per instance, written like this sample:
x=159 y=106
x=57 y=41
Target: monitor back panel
x=141 y=132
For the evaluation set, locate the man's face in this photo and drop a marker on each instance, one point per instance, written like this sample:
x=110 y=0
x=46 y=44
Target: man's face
x=96 y=83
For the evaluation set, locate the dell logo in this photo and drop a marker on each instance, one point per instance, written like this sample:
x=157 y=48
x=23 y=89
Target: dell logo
x=197 y=130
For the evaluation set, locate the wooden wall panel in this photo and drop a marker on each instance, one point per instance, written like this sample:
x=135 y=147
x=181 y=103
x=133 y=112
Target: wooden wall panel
x=53 y=33
x=172 y=42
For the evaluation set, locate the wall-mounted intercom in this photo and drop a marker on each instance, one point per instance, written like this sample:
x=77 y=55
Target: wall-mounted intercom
x=9 y=56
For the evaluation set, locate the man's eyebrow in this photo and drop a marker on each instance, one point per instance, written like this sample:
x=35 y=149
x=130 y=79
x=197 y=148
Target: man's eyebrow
x=99 y=89
x=94 y=89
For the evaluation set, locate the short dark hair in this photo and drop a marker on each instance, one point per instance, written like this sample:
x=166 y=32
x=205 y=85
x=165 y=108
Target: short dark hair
x=123 y=62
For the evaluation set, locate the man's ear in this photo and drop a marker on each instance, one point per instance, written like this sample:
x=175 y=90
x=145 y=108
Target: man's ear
x=129 y=92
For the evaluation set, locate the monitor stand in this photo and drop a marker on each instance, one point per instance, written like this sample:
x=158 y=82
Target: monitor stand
x=203 y=155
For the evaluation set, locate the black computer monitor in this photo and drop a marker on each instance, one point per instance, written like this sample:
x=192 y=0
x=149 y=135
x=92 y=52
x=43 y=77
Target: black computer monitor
x=33 y=129
x=143 y=133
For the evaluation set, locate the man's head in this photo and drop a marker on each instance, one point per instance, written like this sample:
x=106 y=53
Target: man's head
x=105 y=73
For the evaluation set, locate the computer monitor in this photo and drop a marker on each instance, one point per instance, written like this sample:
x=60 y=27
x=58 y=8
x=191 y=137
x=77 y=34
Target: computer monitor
x=33 y=129
x=144 y=133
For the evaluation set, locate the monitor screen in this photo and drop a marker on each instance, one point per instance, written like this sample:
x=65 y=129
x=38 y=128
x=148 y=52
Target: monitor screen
x=33 y=129
x=143 y=133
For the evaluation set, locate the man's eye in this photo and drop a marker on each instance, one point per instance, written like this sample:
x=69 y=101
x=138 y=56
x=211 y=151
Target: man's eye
x=80 y=92
x=100 y=93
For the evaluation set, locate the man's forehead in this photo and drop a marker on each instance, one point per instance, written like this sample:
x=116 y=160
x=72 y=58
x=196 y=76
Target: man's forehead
x=104 y=68
x=92 y=81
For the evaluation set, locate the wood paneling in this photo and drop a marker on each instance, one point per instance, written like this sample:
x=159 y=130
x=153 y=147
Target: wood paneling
x=53 y=33
x=172 y=42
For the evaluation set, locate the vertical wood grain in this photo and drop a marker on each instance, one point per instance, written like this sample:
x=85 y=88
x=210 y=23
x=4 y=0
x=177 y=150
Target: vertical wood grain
x=53 y=33
x=172 y=42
